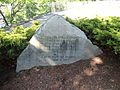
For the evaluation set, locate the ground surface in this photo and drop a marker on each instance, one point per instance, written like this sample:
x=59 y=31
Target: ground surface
x=92 y=9
x=104 y=74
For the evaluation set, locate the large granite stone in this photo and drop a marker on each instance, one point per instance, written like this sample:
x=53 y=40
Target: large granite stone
x=56 y=42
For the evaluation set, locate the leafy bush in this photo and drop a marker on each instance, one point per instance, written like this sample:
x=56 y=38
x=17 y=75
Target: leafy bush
x=12 y=43
x=102 y=31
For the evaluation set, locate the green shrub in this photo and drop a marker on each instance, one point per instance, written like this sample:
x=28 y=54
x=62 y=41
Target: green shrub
x=12 y=43
x=101 y=31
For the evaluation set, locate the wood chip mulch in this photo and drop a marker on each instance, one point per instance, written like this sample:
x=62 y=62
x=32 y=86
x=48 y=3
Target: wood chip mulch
x=99 y=73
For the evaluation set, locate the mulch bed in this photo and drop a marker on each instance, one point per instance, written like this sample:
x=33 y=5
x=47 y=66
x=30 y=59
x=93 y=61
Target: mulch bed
x=99 y=73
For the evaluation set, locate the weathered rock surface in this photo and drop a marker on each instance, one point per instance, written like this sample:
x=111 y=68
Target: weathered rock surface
x=56 y=42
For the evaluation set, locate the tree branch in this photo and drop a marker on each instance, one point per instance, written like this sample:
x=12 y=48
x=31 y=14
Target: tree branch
x=4 y=18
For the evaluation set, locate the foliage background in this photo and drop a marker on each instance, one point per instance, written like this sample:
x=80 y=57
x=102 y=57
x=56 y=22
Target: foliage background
x=20 y=10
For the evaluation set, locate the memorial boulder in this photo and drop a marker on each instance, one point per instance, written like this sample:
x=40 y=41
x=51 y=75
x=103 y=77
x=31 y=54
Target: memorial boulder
x=56 y=42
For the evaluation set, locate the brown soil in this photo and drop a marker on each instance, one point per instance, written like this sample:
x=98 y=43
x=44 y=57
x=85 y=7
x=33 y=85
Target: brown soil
x=99 y=73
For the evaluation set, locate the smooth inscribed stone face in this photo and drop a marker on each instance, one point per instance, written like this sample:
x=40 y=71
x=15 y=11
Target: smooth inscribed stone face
x=56 y=42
